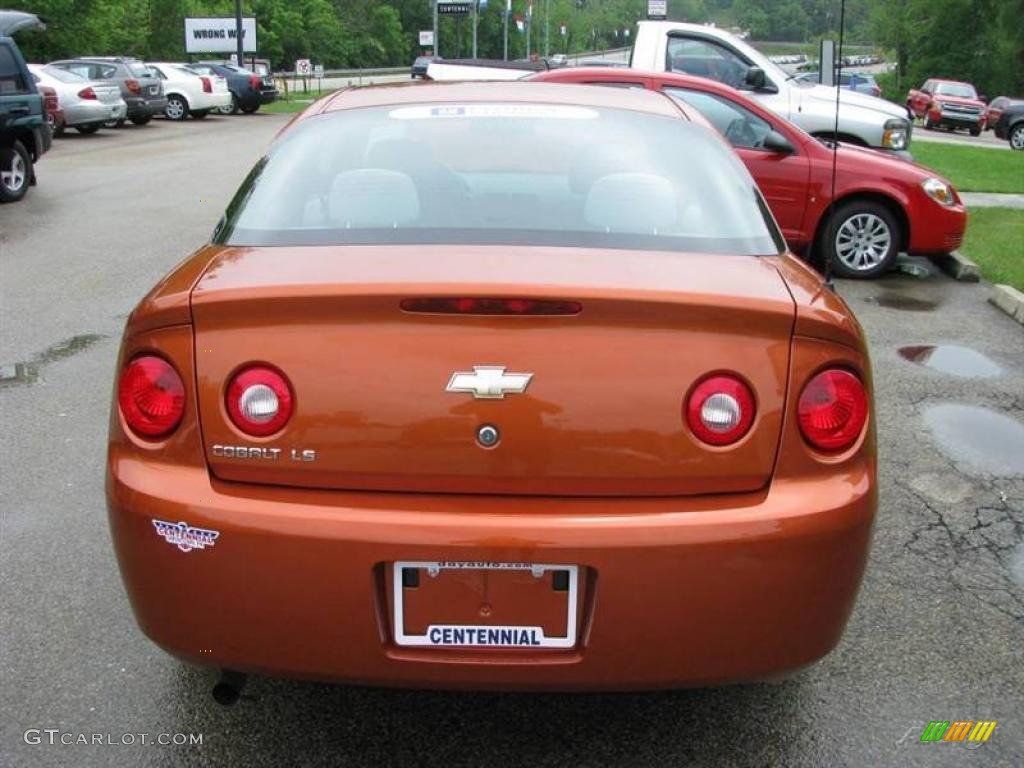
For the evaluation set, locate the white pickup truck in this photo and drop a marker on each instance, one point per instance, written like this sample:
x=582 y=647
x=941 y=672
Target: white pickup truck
x=710 y=52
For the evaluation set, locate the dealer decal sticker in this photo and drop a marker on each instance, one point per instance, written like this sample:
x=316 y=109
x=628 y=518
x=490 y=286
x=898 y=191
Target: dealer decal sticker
x=184 y=536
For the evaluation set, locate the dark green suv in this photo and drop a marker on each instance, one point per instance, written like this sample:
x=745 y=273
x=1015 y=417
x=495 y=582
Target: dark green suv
x=24 y=134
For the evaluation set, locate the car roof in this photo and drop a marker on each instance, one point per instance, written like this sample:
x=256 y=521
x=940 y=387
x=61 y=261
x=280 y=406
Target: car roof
x=951 y=82
x=503 y=91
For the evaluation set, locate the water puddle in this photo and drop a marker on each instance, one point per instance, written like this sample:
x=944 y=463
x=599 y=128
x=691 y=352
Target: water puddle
x=901 y=302
x=952 y=359
x=68 y=347
x=28 y=372
x=977 y=438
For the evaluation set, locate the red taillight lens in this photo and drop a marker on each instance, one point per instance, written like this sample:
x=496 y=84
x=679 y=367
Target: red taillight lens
x=87 y=93
x=467 y=306
x=833 y=410
x=151 y=396
x=133 y=85
x=255 y=82
x=259 y=400
x=720 y=409
x=207 y=85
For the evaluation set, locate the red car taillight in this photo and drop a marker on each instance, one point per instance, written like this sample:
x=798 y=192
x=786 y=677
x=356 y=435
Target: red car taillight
x=259 y=400
x=151 y=396
x=87 y=93
x=207 y=85
x=133 y=85
x=255 y=82
x=833 y=410
x=720 y=409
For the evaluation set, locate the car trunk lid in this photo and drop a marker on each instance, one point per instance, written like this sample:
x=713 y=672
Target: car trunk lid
x=602 y=412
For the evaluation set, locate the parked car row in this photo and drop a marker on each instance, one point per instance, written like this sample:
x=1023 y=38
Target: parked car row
x=39 y=101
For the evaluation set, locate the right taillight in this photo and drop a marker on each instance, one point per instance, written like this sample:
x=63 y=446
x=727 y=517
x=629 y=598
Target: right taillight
x=151 y=396
x=833 y=410
x=259 y=400
x=87 y=93
x=720 y=409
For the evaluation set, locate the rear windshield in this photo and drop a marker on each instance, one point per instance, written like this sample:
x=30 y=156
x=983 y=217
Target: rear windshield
x=63 y=75
x=139 y=69
x=517 y=174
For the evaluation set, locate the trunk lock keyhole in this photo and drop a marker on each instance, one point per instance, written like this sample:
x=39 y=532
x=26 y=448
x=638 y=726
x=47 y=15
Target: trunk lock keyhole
x=488 y=436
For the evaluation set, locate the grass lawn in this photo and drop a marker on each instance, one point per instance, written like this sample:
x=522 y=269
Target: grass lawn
x=972 y=169
x=995 y=239
x=286 y=107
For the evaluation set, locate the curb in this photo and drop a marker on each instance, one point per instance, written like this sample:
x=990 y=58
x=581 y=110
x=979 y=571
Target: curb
x=958 y=266
x=1010 y=300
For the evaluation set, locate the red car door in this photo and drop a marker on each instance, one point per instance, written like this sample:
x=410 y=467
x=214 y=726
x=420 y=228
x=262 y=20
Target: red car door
x=782 y=176
x=921 y=99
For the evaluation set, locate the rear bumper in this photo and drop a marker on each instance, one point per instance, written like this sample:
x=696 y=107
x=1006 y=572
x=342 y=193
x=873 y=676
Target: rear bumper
x=84 y=113
x=146 y=107
x=675 y=592
x=211 y=100
x=251 y=98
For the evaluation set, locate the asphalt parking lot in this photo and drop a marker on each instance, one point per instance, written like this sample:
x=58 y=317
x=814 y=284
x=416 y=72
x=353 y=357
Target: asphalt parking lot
x=936 y=634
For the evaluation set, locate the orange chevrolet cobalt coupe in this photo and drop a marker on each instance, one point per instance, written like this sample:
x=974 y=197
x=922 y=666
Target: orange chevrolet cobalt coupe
x=491 y=385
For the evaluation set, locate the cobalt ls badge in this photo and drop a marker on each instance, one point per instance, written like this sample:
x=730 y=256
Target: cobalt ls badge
x=184 y=536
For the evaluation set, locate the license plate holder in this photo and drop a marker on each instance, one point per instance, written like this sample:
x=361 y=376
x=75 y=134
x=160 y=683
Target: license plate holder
x=481 y=605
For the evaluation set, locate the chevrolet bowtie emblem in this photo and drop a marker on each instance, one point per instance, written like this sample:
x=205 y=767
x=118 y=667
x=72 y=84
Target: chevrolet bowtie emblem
x=489 y=382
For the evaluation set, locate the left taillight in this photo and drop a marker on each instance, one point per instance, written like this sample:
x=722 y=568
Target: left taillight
x=151 y=396
x=207 y=85
x=255 y=81
x=133 y=85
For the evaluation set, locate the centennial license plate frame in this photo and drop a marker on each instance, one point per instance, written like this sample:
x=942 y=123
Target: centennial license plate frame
x=522 y=636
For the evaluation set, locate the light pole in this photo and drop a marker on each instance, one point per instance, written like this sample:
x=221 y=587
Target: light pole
x=238 y=33
x=476 y=15
x=547 y=28
x=508 y=12
x=437 y=48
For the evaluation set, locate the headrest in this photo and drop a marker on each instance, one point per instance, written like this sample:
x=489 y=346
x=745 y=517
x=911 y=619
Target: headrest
x=631 y=202
x=373 y=198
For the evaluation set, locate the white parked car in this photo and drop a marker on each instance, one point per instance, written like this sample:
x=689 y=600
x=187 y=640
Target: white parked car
x=190 y=93
x=87 y=104
x=693 y=49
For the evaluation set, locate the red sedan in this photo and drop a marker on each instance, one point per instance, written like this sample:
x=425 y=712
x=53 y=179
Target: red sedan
x=883 y=205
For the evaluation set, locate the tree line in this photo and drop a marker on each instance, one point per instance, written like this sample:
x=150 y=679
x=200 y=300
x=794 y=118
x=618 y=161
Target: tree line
x=977 y=40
